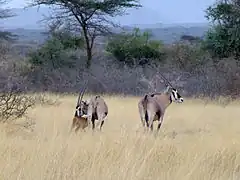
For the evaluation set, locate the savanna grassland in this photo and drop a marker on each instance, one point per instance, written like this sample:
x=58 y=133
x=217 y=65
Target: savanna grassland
x=197 y=141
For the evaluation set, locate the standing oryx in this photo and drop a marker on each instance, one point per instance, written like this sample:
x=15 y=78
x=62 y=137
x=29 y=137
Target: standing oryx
x=79 y=121
x=152 y=107
x=93 y=109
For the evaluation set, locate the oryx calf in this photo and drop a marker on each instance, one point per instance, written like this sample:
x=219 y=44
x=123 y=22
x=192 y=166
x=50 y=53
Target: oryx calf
x=79 y=122
x=152 y=107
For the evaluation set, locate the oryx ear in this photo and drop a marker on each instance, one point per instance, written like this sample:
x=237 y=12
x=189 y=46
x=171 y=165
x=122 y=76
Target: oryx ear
x=86 y=102
x=167 y=89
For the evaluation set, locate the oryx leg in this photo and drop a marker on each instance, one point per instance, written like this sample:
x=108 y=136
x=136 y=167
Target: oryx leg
x=78 y=127
x=90 y=117
x=160 y=120
x=93 y=123
x=151 y=126
x=143 y=115
x=101 y=119
x=143 y=121
x=101 y=122
x=73 y=123
x=151 y=117
x=146 y=119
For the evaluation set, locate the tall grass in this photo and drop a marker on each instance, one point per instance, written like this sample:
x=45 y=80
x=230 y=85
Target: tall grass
x=196 y=141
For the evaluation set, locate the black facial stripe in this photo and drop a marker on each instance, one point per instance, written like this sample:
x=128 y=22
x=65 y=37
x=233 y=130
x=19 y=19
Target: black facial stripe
x=170 y=98
x=174 y=95
x=178 y=95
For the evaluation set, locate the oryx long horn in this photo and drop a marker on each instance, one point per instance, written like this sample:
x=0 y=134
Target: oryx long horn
x=82 y=93
x=80 y=96
x=84 y=89
x=166 y=80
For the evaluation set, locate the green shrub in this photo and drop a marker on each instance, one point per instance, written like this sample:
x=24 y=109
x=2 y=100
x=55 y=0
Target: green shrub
x=223 y=39
x=53 y=52
x=135 y=48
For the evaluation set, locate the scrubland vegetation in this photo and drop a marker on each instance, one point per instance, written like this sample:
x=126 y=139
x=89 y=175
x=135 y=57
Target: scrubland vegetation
x=199 y=139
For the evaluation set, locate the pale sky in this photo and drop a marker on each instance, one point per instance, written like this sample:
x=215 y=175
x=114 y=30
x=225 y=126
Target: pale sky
x=17 y=3
x=161 y=11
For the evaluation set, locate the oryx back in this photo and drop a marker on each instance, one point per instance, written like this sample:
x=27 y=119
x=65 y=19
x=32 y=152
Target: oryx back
x=162 y=99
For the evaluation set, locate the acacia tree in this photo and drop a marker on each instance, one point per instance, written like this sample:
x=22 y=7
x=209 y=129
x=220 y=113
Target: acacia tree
x=223 y=40
x=90 y=17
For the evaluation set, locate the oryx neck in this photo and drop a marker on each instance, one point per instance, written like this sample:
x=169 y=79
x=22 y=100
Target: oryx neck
x=76 y=114
x=170 y=99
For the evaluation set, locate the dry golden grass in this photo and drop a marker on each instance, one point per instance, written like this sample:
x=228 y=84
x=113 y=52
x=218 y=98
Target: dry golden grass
x=195 y=142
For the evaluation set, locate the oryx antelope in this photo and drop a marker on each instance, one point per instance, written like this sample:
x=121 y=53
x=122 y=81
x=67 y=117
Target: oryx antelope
x=93 y=109
x=152 y=107
x=79 y=121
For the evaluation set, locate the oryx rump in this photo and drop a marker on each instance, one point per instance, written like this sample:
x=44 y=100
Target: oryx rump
x=97 y=110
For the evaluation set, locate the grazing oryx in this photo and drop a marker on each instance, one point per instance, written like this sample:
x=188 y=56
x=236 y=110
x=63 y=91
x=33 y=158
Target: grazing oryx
x=93 y=109
x=152 y=107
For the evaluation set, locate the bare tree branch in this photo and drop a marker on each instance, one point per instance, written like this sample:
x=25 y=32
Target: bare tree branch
x=14 y=105
x=5 y=12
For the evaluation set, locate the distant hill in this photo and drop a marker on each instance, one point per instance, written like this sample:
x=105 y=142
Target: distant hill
x=173 y=33
x=29 y=35
x=28 y=27
x=168 y=34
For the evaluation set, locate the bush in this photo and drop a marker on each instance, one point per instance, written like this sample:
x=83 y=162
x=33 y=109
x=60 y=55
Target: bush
x=217 y=43
x=14 y=105
x=223 y=39
x=135 y=48
x=53 y=52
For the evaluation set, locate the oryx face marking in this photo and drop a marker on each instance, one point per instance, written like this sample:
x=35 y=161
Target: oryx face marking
x=175 y=96
x=81 y=108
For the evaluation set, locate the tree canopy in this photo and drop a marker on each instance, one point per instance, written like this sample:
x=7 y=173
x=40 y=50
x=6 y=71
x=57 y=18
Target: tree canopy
x=90 y=17
x=223 y=39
